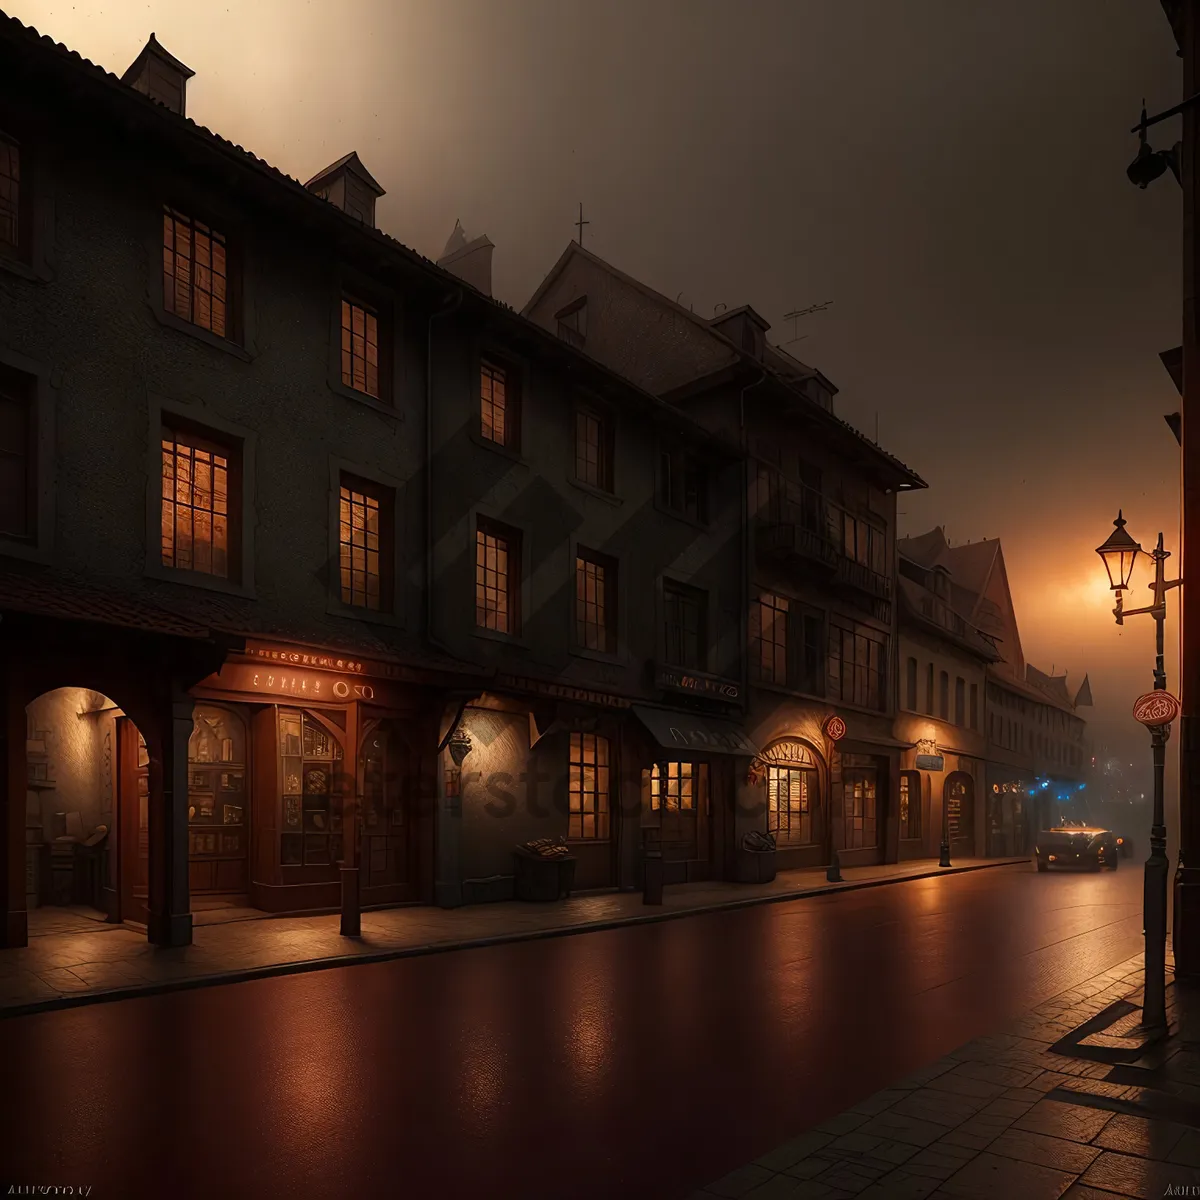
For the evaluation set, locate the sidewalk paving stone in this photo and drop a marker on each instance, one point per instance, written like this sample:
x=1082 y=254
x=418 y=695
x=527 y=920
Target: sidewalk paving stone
x=1005 y=1116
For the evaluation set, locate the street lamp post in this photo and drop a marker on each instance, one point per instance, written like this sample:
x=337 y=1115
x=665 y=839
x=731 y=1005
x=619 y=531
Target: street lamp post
x=1118 y=555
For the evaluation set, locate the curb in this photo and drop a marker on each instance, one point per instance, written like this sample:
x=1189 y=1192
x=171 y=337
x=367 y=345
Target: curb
x=304 y=966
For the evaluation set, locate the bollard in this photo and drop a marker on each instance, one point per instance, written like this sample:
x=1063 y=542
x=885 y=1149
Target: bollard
x=834 y=872
x=351 y=913
x=652 y=877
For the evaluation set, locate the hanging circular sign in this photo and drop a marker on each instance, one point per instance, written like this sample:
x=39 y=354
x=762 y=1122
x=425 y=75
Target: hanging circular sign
x=835 y=729
x=1156 y=708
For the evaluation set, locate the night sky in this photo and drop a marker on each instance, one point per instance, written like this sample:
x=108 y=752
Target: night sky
x=950 y=173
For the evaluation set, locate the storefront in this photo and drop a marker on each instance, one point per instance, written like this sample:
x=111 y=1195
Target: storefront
x=795 y=776
x=292 y=751
x=689 y=763
x=1012 y=805
x=940 y=790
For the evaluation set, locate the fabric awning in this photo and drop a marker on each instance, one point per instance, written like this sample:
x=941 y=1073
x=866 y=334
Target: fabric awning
x=693 y=733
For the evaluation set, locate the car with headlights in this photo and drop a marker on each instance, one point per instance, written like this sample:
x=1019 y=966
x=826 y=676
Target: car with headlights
x=1080 y=845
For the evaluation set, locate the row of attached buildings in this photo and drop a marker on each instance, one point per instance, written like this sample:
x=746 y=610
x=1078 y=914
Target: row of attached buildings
x=315 y=558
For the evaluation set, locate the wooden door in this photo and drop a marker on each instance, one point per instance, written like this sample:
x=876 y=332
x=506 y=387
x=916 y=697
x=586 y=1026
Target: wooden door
x=960 y=813
x=218 y=804
x=133 y=822
x=681 y=800
x=386 y=819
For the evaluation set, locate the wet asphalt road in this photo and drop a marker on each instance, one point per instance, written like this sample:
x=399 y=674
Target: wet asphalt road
x=636 y=1062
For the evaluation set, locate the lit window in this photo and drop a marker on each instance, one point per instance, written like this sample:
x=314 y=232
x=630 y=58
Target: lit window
x=910 y=804
x=360 y=348
x=195 y=271
x=768 y=635
x=859 y=783
x=493 y=403
x=195 y=506
x=683 y=790
x=589 y=787
x=363 y=517
x=595 y=607
x=10 y=194
x=791 y=798
x=495 y=594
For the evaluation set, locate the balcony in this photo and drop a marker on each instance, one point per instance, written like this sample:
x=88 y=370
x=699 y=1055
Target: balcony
x=854 y=575
x=794 y=524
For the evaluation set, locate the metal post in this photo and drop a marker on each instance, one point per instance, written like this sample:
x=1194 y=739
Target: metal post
x=1154 y=894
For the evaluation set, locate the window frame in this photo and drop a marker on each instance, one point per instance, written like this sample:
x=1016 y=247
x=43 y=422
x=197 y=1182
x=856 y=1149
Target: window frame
x=240 y=326
x=602 y=812
x=612 y=602
x=198 y=438
x=20 y=251
x=861 y=673
x=389 y=491
x=960 y=702
x=514 y=392
x=349 y=284
x=912 y=826
x=517 y=546
x=910 y=683
x=232 y=275
x=675 y=461
x=240 y=445
x=584 y=409
x=686 y=591
x=384 y=339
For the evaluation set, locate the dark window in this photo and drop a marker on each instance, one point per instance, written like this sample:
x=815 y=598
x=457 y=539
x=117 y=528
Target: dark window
x=960 y=701
x=497 y=577
x=943 y=695
x=910 y=680
x=863 y=542
x=10 y=196
x=685 y=626
x=595 y=602
x=768 y=638
x=365 y=515
x=910 y=804
x=360 y=347
x=593 y=449
x=857 y=670
x=974 y=706
x=17 y=472
x=572 y=322
x=588 y=787
x=929 y=690
x=200 y=528
x=195 y=273
x=499 y=403
x=812 y=652
x=683 y=484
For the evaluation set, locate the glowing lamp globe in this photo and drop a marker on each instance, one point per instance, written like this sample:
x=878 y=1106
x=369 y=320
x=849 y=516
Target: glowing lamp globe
x=1118 y=555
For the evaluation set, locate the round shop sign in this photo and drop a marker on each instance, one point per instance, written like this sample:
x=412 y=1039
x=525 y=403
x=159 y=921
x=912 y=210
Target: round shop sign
x=835 y=729
x=1156 y=708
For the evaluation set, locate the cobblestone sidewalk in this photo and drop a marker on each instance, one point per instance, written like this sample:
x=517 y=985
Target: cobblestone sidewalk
x=78 y=960
x=1067 y=1103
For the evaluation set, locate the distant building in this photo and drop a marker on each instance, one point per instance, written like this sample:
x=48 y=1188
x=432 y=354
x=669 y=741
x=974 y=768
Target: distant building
x=1037 y=750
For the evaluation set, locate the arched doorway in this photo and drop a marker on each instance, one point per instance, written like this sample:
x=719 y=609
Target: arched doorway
x=959 y=798
x=797 y=815
x=86 y=812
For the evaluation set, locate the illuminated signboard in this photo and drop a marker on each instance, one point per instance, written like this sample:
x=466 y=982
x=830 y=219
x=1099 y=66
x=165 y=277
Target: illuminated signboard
x=702 y=685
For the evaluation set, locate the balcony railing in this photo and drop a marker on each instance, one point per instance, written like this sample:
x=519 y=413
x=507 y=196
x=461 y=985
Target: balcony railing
x=941 y=614
x=795 y=521
x=855 y=575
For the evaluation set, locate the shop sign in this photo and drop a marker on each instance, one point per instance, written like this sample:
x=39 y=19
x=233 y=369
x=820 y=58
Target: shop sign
x=696 y=685
x=1156 y=708
x=300 y=685
x=928 y=758
x=835 y=728
x=313 y=659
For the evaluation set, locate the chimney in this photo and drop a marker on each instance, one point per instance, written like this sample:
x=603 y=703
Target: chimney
x=349 y=185
x=471 y=260
x=161 y=76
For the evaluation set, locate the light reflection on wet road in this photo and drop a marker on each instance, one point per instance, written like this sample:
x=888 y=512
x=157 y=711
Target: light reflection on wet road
x=636 y=1062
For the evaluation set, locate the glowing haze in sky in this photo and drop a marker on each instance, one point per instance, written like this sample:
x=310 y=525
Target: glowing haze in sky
x=951 y=175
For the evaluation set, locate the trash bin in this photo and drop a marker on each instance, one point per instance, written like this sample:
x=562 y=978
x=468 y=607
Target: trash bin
x=543 y=870
x=756 y=858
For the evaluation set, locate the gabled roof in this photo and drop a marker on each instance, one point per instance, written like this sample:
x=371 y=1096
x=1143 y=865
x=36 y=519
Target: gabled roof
x=349 y=162
x=156 y=48
x=1083 y=697
x=1055 y=686
x=735 y=354
x=102 y=86
x=915 y=600
x=972 y=563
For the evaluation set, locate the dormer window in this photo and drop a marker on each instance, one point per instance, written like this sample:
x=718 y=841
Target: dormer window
x=10 y=196
x=350 y=186
x=572 y=322
x=161 y=76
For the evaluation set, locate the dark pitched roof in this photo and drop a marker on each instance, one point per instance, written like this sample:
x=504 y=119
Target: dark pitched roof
x=919 y=606
x=36 y=594
x=155 y=47
x=34 y=47
x=735 y=353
